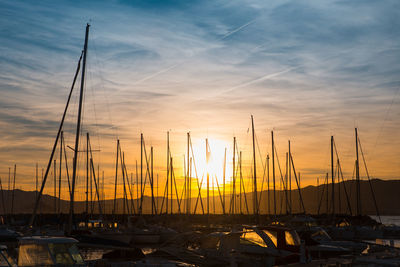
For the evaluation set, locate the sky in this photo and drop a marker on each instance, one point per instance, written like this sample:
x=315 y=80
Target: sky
x=307 y=70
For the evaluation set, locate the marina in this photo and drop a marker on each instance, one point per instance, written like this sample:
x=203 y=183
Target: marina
x=206 y=204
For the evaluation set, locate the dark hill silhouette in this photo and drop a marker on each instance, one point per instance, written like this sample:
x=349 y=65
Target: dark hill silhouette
x=386 y=192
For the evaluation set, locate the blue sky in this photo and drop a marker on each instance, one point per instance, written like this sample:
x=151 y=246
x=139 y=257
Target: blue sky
x=307 y=69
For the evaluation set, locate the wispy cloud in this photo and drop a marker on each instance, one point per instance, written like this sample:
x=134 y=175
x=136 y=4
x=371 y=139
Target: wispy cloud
x=308 y=70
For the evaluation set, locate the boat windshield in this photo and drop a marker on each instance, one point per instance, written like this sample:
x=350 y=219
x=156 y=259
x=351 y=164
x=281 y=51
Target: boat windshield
x=74 y=251
x=34 y=255
x=252 y=238
x=292 y=238
x=65 y=254
x=321 y=235
x=273 y=235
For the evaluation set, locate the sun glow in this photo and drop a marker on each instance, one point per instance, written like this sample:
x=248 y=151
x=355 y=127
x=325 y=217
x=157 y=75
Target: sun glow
x=210 y=160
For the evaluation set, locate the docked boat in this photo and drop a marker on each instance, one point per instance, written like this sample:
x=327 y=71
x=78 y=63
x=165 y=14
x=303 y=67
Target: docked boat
x=49 y=251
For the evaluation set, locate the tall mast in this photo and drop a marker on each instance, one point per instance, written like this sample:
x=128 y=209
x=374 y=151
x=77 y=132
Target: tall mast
x=116 y=180
x=78 y=130
x=170 y=173
x=55 y=187
x=102 y=193
x=286 y=182
x=153 y=205
x=9 y=183
x=290 y=179
x=141 y=172
x=255 y=205
x=358 y=189
x=333 y=179
x=269 y=206
x=208 y=179
x=327 y=193
x=87 y=173
x=13 y=189
x=124 y=206
x=223 y=189
x=273 y=169
x=166 y=206
x=157 y=193
x=59 y=177
x=37 y=180
x=44 y=178
x=188 y=177
x=190 y=184
x=137 y=188
x=241 y=185
x=233 y=196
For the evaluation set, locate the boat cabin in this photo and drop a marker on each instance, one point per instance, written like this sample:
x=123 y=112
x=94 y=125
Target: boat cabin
x=49 y=251
x=281 y=237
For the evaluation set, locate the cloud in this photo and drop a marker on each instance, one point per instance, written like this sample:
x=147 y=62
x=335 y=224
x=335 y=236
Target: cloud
x=305 y=69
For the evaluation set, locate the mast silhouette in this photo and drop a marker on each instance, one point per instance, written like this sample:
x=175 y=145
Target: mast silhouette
x=358 y=190
x=290 y=180
x=273 y=170
x=255 y=202
x=78 y=130
x=269 y=199
x=223 y=189
x=166 y=186
x=333 y=179
x=208 y=178
x=116 y=181
x=39 y=195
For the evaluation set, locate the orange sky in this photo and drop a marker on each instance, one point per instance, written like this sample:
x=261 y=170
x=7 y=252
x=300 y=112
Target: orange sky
x=306 y=71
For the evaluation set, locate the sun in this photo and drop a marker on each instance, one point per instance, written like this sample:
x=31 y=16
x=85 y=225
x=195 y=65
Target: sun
x=210 y=157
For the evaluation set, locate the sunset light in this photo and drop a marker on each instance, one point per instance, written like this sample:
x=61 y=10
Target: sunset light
x=199 y=133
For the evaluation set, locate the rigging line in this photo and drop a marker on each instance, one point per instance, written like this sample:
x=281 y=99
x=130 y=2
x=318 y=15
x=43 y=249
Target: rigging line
x=32 y=219
x=195 y=207
x=264 y=168
x=66 y=165
x=280 y=170
x=93 y=100
x=244 y=194
x=345 y=190
x=370 y=184
x=297 y=182
x=259 y=151
x=341 y=172
x=147 y=173
x=322 y=196
x=219 y=191
x=262 y=184
x=385 y=119
x=176 y=190
x=94 y=178
x=102 y=85
x=197 y=177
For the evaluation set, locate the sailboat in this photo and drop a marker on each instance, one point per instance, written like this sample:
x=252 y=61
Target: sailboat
x=77 y=136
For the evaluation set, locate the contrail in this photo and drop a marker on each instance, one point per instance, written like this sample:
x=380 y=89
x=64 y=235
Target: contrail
x=237 y=29
x=156 y=74
x=262 y=78
x=180 y=63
